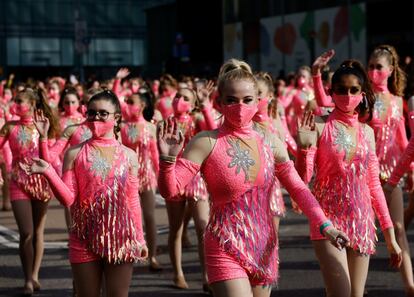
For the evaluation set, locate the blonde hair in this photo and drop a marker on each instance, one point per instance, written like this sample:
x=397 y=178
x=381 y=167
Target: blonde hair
x=232 y=70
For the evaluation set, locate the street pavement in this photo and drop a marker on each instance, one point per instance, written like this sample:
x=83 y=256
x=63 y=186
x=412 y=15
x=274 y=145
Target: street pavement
x=299 y=270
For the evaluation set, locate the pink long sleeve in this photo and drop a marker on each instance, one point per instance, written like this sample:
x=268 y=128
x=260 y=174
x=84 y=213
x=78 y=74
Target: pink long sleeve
x=116 y=88
x=65 y=189
x=154 y=155
x=8 y=156
x=209 y=123
x=3 y=140
x=322 y=99
x=403 y=164
x=135 y=205
x=300 y=193
x=291 y=143
x=173 y=177
x=51 y=153
x=377 y=194
x=305 y=163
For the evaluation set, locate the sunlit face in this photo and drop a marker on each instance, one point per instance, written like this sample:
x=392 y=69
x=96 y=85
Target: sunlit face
x=380 y=63
x=303 y=74
x=71 y=100
x=187 y=95
x=104 y=111
x=239 y=91
x=8 y=92
x=22 y=99
x=348 y=84
x=95 y=84
x=54 y=88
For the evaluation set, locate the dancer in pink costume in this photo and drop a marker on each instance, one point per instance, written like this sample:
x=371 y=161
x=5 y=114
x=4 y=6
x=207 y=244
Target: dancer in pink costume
x=347 y=183
x=240 y=243
x=54 y=88
x=140 y=135
x=69 y=105
x=100 y=185
x=195 y=193
x=5 y=166
x=388 y=81
x=168 y=89
x=29 y=195
x=321 y=95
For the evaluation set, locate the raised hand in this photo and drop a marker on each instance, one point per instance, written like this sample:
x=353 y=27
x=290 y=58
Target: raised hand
x=203 y=93
x=37 y=166
x=322 y=61
x=122 y=73
x=337 y=238
x=307 y=135
x=41 y=123
x=170 y=139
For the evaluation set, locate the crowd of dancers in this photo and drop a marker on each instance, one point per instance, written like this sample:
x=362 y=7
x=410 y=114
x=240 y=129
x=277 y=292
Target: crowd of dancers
x=221 y=152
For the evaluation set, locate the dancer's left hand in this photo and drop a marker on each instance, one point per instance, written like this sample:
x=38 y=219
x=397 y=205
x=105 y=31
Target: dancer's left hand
x=38 y=166
x=337 y=238
x=395 y=254
x=144 y=252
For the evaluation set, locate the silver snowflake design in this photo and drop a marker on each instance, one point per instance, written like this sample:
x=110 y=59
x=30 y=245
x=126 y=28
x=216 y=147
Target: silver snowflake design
x=344 y=141
x=395 y=111
x=100 y=166
x=240 y=159
x=86 y=134
x=132 y=133
x=24 y=136
x=379 y=106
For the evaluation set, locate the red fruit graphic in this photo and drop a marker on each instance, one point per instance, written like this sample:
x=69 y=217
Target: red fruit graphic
x=285 y=38
x=340 y=25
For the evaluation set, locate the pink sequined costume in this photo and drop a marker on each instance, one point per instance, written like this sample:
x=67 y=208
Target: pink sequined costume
x=263 y=125
x=137 y=136
x=296 y=109
x=103 y=198
x=69 y=120
x=347 y=182
x=23 y=139
x=240 y=172
x=390 y=135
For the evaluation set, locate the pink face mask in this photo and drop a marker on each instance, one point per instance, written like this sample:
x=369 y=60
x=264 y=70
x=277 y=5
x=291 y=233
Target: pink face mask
x=7 y=97
x=238 y=115
x=53 y=94
x=181 y=106
x=378 y=77
x=346 y=103
x=21 y=109
x=134 y=111
x=301 y=82
x=71 y=109
x=99 y=128
x=262 y=106
x=134 y=88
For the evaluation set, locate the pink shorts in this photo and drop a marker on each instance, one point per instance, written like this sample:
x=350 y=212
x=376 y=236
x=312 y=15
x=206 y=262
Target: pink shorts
x=221 y=266
x=16 y=193
x=79 y=252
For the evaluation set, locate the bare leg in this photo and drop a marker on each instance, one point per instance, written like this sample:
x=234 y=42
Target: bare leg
x=5 y=189
x=68 y=218
x=200 y=210
x=39 y=219
x=88 y=278
x=334 y=268
x=396 y=209
x=22 y=210
x=186 y=243
x=239 y=287
x=117 y=279
x=409 y=211
x=276 y=221
x=262 y=291
x=148 y=208
x=358 y=265
x=175 y=211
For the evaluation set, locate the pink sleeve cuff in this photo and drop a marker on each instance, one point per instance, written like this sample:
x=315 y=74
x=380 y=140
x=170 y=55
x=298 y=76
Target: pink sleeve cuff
x=65 y=189
x=135 y=205
x=305 y=163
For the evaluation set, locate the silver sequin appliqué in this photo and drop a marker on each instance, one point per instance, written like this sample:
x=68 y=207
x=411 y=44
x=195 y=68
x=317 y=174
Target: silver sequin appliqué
x=344 y=141
x=132 y=133
x=240 y=159
x=23 y=136
x=100 y=166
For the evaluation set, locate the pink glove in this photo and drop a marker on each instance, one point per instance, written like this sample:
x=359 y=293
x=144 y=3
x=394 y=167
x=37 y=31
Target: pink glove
x=173 y=177
x=154 y=155
x=377 y=194
x=65 y=189
x=305 y=163
x=300 y=193
x=403 y=164
x=132 y=190
x=322 y=99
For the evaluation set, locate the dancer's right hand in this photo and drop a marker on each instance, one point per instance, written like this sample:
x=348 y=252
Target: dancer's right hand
x=322 y=61
x=307 y=135
x=337 y=238
x=395 y=254
x=38 y=166
x=170 y=139
x=41 y=123
x=122 y=73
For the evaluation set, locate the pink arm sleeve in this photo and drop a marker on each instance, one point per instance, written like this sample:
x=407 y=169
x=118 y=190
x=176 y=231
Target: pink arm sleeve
x=286 y=99
x=65 y=189
x=173 y=177
x=300 y=193
x=377 y=194
x=208 y=123
x=403 y=164
x=305 y=163
x=291 y=143
x=116 y=87
x=8 y=156
x=154 y=155
x=321 y=98
x=50 y=154
x=3 y=140
x=135 y=205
